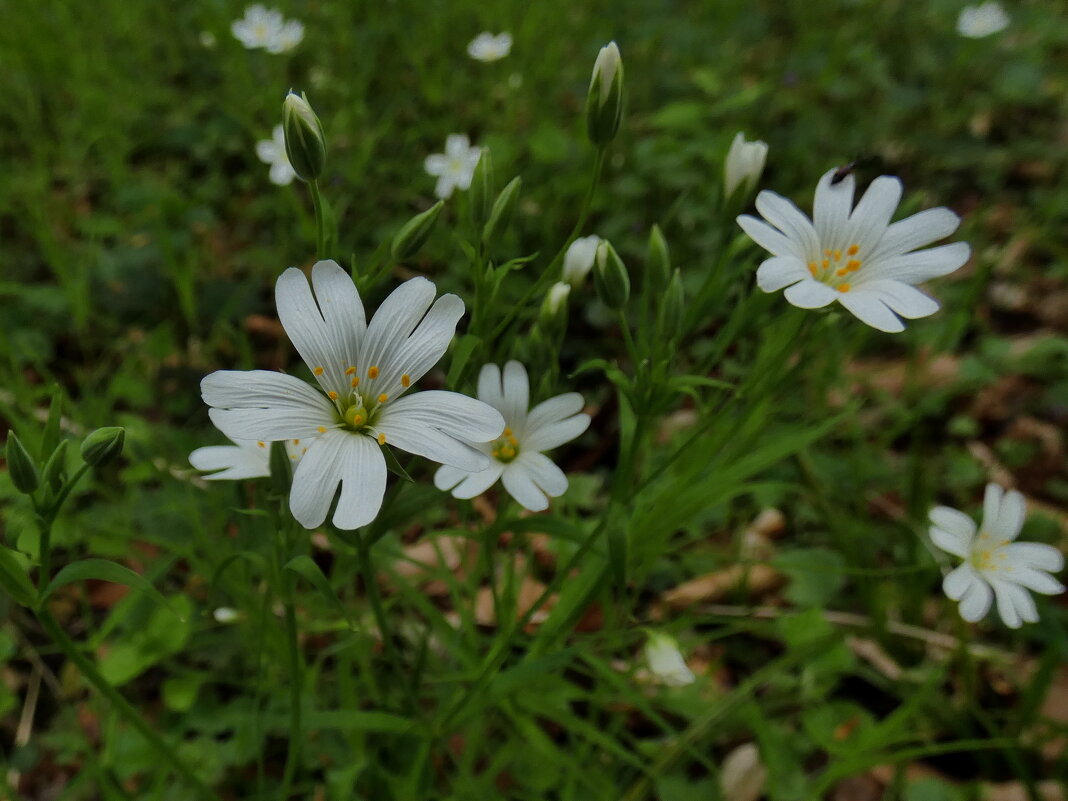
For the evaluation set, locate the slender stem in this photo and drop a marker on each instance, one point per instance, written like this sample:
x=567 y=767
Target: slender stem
x=320 y=221
x=44 y=574
x=119 y=703
x=296 y=682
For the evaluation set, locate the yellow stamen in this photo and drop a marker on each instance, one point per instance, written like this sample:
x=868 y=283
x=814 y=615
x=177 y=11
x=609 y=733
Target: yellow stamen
x=513 y=440
x=381 y=439
x=355 y=381
x=372 y=372
x=350 y=370
x=827 y=253
x=496 y=454
x=383 y=398
x=853 y=265
x=406 y=380
x=296 y=442
x=838 y=255
x=841 y=272
x=322 y=429
x=357 y=419
x=812 y=268
x=843 y=287
x=853 y=249
x=507 y=432
x=332 y=395
x=261 y=444
x=826 y=263
x=318 y=371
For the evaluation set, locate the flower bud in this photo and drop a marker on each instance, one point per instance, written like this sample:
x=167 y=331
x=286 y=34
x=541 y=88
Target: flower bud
x=665 y=660
x=502 y=210
x=103 y=445
x=555 y=304
x=482 y=189
x=20 y=466
x=578 y=261
x=604 y=100
x=743 y=166
x=610 y=277
x=670 y=316
x=305 y=141
x=658 y=261
x=54 y=472
x=415 y=232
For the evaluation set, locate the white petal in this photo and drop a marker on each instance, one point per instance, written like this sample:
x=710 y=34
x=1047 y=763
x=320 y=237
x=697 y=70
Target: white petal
x=869 y=220
x=1036 y=555
x=1035 y=580
x=549 y=478
x=281 y=173
x=551 y=435
x=916 y=231
x=472 y=484
x=258 y=404
x=394 y=321
x=516 y=392
x=770 y=239
x=455 y=414
x=446 y=477
x=991 y=506
x=831 y=208
x=436 y=165
x=923 y=265
x=789 y=219
x=423 y=349
x=457 y=145
x=445 y=186
x=423 y=440
x=1011 y=515
x=905 y=300
x=810 y=294
x=779 y=272
x=490 y=389
x=976 y=601
x=952 y=531
x=232 y=462
x=1014 y=604
x=316 y=478
x=554 y=410
x=363 y=482
x=956 y=582
x=517 y=480
x=266 y=151
x=869 y=309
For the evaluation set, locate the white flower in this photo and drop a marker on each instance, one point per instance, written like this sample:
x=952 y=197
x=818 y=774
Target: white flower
x=854 y=255
x=975 y=22
x=578 y=261
x=455 y=167
x=744 y=164
x=556 y=298
x=994 y=565
x=517 y=458
x=259 y=27
x=273 y=151
x=224 y=615
x=363 y=371
x=244 y=459
x=666 y=661
x=487 y=47
x=288 y=36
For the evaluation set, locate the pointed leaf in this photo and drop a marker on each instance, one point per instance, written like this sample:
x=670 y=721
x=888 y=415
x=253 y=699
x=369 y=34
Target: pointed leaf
x=103 y=570
x=305 y=566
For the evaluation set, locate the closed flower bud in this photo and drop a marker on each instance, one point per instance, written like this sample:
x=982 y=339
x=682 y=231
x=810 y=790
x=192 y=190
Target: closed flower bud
x=55 y=468
x=20 y=466
x=670 y=314
x=305 y=141
x=658 y=261
x=482 y=189
x=578 y=261
x=665 y=660
x=743 y=166
x=103 y=445
x=415 y=232
x=604 y=100
x=502 y=210
x=610 y=277
x=555 y=304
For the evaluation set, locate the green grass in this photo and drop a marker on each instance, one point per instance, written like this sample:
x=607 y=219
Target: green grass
x=141 y=240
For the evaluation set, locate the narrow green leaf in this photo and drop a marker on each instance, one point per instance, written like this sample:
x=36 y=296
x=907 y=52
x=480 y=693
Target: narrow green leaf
x=305 y=566
x=394 y=466
x=103 y=570
x=14 y=579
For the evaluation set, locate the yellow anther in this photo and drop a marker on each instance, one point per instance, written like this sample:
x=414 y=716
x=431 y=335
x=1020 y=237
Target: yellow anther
x=355 y=381
x=812 y=267
x=496 y=454
x=296 y=442
x=332 y=395
x=372 y=372
x=841 y=272
x=507 y=432
x=322 y=429
x=507 y=453
x=406 y=380
x=350 y=370
x=844 y=287
x=381 y=439
x=293 y=456
x=827 y=253
x=318 y=371
x=826 y=263
x=853 y=250
x=383 y=398
x=304 y=451
x=513 y=440
x=853 y=265
x=838 y=255
x=262 y=444
x=357 y=419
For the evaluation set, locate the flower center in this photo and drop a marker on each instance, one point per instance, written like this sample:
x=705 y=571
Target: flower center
x=506 y=448
x=989 y=556
x=836 y=267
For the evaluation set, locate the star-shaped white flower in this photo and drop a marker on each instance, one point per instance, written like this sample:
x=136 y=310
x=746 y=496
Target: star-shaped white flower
x=363 y=371
x=995 y=566
x=981 y=20
x=287 y=37
x=258 y=28
x=273 y=151
x=855 y=256
x=516 y=457
x=243 y=459
x=487 y=47
x=455 y=167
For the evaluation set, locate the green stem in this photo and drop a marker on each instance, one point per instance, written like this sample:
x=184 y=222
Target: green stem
x=120 y=704
x=320 y=221
x=44 y=574
x=296 y=682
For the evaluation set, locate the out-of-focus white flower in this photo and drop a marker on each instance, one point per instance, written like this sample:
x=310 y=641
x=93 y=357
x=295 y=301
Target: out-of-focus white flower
x=244 y=459
x=224 y=615
x=363 y=371
x=556 y=298
x=273 y=152
x=455 y=167
x=981 y=20
x=665 y=660
x=259 y=27
x=743 y=165
x=578 y=261
x=487 y=47
x=516 y=457
x=854 y=255
x=288 y=37
x=995 y=566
